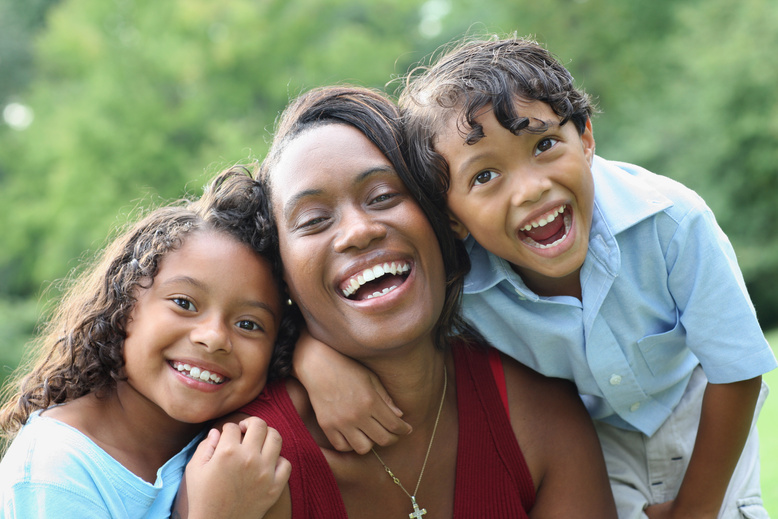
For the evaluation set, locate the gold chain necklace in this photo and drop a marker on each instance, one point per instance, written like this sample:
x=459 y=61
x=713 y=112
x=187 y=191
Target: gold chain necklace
x=418 y=512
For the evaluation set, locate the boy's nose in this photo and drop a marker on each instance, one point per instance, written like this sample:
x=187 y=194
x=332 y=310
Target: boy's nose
x=529 y=187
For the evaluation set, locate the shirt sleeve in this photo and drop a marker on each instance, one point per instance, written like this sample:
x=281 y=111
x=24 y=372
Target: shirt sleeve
x=27 y=500
x=714 y=306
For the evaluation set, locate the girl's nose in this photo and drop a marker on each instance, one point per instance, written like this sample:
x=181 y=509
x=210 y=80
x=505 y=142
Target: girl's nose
x=211 y=332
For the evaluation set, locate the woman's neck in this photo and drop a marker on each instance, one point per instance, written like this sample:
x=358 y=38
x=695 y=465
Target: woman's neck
x=414 y=381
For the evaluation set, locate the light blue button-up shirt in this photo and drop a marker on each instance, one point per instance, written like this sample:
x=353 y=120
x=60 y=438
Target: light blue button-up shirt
x=662 y=293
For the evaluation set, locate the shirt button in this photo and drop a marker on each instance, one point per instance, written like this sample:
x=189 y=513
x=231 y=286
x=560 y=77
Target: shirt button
x=615 y=380
x=634 y=407
x=521 y=296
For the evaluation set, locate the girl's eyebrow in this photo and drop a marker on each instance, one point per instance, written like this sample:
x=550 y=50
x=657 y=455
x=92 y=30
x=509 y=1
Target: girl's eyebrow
x=188 y=280
x=292 y=203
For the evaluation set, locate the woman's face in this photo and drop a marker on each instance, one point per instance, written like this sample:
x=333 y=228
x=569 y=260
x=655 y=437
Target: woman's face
x=361 y=259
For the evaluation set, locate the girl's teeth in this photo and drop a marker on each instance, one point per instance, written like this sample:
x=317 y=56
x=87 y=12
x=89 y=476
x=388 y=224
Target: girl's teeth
x=199 y=374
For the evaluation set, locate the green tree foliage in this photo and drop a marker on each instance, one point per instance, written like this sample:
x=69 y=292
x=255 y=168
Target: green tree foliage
x=137 y=100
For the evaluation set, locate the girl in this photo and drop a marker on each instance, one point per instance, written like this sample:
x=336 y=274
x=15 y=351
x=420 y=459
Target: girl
x=173 y=327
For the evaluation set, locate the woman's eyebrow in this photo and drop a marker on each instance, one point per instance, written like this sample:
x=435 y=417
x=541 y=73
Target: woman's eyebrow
x=292 y=203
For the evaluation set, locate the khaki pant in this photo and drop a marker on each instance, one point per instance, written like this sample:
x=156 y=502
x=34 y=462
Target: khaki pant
x=645 y=471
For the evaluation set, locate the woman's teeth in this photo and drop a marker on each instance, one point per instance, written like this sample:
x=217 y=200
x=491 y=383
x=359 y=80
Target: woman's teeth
x=550 y=217
x=198 y=373
x=372 y=274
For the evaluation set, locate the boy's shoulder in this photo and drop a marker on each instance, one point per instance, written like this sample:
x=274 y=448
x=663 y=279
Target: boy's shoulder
x=626 y=194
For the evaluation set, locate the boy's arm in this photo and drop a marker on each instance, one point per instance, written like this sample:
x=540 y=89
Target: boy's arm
x=725 y=422
x=351 y=405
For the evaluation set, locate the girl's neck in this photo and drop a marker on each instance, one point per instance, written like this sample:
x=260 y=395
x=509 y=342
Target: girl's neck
x=138 y=436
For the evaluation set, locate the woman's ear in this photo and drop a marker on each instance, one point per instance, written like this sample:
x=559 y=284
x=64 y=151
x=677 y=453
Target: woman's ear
x=458 y=227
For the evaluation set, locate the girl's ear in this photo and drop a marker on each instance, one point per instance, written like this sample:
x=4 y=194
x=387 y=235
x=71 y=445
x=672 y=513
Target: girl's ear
x=458 y=227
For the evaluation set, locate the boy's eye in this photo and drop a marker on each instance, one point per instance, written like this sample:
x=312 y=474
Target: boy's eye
x=545 y=145
x=484 y=177
x=184 y=303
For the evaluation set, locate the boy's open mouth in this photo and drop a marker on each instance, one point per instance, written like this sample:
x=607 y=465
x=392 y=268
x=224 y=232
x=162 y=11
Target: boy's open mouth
x=376 y=281
x=549 y=230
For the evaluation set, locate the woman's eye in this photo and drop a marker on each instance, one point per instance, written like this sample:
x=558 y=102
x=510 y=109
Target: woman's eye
x=383 y=198
x=312 y=222
x=184 y=303
x=248 y=325
x=545 y=145
x=484 y=177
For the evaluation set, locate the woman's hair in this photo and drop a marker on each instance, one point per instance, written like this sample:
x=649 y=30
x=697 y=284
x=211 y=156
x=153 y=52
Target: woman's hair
x=377 y=117
x=80 y=349
x=478 y=73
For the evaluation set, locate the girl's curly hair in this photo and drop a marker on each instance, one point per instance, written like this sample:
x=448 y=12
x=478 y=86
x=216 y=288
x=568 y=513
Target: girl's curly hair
x=80 y=349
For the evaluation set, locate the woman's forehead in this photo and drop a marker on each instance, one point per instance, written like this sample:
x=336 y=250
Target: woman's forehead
x=322 y=155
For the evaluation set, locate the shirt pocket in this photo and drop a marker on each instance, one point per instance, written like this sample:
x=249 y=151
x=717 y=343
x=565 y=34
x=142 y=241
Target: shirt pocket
x=665 y=352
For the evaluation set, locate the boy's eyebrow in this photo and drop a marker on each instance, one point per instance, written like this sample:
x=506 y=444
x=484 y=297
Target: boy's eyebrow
x=295 y=199
x=539 y=129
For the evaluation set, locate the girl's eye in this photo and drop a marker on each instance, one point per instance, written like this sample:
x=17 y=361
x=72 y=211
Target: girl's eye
x=484 y=177
x=249 y=325
x=545 y=145
x=184 y=303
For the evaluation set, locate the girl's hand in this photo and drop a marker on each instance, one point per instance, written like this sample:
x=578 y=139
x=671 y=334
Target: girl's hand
x=236 y=473
x=351 y=405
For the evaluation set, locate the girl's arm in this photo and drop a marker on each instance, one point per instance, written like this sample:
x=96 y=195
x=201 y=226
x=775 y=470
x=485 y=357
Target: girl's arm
x=351 y=405
x=559 y=444
x=725 y=422
x=242 y=460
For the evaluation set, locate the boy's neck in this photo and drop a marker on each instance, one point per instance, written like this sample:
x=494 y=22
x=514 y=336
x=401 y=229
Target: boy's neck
x=545 y=286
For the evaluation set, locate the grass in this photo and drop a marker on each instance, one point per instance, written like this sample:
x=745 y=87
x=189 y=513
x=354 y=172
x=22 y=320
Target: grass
x=768 y=437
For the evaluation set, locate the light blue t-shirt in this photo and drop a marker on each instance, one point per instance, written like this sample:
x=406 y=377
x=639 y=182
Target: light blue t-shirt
x=662 y=293
x=52 y=470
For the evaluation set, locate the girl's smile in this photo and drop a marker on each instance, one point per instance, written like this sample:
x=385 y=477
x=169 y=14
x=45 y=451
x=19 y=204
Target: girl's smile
x=201 y=335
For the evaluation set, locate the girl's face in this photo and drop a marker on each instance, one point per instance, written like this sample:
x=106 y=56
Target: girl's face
x=199 y=340
x=362 y=261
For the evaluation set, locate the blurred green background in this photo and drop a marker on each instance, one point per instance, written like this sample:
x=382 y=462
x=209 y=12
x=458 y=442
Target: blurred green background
x=111 y=104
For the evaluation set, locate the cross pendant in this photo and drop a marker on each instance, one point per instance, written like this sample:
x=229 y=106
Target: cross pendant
x=417 y=513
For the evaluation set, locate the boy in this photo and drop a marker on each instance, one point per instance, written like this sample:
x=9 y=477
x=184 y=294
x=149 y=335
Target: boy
x=594 y=271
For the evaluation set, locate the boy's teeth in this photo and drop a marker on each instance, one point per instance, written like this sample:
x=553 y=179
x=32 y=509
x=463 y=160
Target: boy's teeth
x=545 y=220
x=372 y=274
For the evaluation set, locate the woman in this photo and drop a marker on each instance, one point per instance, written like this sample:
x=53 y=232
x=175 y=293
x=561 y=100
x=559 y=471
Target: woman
x=376 y=273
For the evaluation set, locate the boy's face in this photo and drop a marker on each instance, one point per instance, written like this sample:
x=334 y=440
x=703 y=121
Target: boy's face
x=527 y=198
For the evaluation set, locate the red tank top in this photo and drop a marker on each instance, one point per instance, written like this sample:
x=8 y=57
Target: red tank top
x=492 y=479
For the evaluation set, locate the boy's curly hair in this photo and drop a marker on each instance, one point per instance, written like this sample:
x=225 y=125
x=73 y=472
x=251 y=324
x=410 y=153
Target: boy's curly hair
x=476 y=74
x=80 y=349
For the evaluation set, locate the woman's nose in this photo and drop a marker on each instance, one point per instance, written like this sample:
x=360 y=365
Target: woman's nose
x=358 y=229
